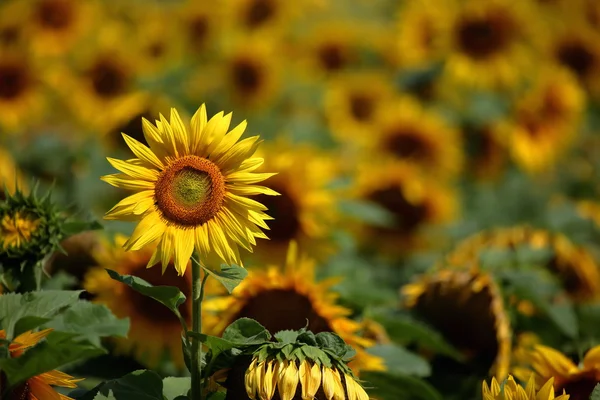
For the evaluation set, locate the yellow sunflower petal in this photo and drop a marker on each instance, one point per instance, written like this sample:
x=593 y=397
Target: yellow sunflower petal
x=179 y=133
x=228 y=141
x=592 y=358
x=142 y=152
x=184 y=246
x=149 y=229
x=125 y=182
x=134 y=171
x=41 y=390
x=198 y=123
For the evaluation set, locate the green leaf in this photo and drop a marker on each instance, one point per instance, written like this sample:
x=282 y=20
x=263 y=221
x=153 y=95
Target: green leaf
x=230 y=275
x=58 y=349
x=216 y=396
x=401 y=361
x=387 y=386
x=175 y=386
x=286 y=336
x=169 y=296
x=110 y=396
x=41 y=305
x=216 y=344
x=316 y=355
x=91 y=321
x=596 y=393
x=331 y=341
x=246 y=331
x=138 y=385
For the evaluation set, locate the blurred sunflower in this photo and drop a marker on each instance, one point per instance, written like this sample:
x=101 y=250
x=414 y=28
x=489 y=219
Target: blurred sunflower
x=199 y=27
x=38 y=387
x=486 y=151
x=413 y=200
x=511 y=390
x=56 y=25
x=253 y=15
x=407 y=132
x=22 y=93
x=578 y=381
x=574 y=265
x=187 y=201
x=12 y=25
x=487 y=41
x=574 y=46
x=305 y=210
x=589 y=209
x=422 y=27
x=545 y=120
x=289 y=298
x=10 y=176
x=353 y=102
x=449 y=295
x=147 y=343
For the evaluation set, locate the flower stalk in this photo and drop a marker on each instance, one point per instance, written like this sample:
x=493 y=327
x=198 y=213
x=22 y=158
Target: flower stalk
x=198 y=282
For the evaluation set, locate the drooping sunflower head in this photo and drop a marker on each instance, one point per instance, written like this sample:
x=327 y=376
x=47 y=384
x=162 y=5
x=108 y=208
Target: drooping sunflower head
x=305 y=209
x=286 y=299
x=154 y=329
x=574 y=265
x=416 y=201
x=407 y=132
x=191 y=186
x=450 y=295
x=512 y=390
x=38 y=387
x=30 y=229
x=578 y=382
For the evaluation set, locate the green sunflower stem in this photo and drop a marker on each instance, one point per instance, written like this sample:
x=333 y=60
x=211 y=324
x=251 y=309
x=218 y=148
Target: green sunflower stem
x=198 y=282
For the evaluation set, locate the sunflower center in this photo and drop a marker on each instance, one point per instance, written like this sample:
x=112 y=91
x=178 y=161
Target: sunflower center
x=259 y=12
x=576 y=56
x=9 y=34
x=21 y=392
x=408 y=216
x=151 y=309
x=13 y=81
x=286 y=223
x=108 y=79
x=18 y=229
x=247 y=76
x=282 y=309
x=156 y=49
x=443 y=304
x=198 y=30
x=190 y=192
x=331 y=56
x=55 y=14
x=482 y=37
x=362 y=107
x=580 y=387
x=406 y=143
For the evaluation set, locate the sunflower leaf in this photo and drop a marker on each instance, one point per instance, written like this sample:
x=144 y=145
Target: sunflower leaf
x=230 y=275
x=74 y=227
x=596 y=393
x=398 y=360
x=246 y=331
x=388 y=386
x=174 y=387
x=332 y=342
x=169 y=296
x=137 y=385
x=286 y=336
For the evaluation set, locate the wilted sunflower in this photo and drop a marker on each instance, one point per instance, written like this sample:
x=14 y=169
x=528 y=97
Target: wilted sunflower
x=38 y=387
x=511 y=390
x=22 y=97
x=545 y=120
x=488 y=42
x=577 y=381
x=353 y=102
x=154 y=329
x=192 y=185
x=422 y=27
x=305 y=210
x=449 y=295
x=574 y=265
x=289 y=298
x=406 y=131
x=415 y=202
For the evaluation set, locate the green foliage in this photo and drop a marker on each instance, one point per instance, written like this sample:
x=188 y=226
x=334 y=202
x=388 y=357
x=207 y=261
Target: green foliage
x=229 y=275
x=138 y=385
x=400 y=361
x=246 y=331
x=175 y=386
x=388 y=386
x=596 y=393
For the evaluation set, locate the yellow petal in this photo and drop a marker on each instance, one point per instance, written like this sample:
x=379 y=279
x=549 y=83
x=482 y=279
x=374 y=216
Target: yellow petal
x=219 y=242
x=269 y=381
x=134 y=171
x=184 y=246
x=228 y=142
x=41 y=390
x=154 y=139
x=248 y=178
x=198 y=124
x=288 y=380
x=149 y=229
x=179 y=133
x=167 y=246
x=142 y=152
x=310 y=378
x=547 y=391
x=250 y=381
x=592 y=358
x=125 y=182
x=216 y=136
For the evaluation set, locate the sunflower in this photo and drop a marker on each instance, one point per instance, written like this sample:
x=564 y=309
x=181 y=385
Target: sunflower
x=422 y=25
x=289 y=298
x=353 y=102
x=10 y=176
x=12 y=25
x=144 y=340
x=488 y=42
x=511 y=390
x=22 y=98
x=406 y=131
x=191 y=189
x=450 y=295
x=578 y=381
x=254 y=15
x=574 y=265
x=199 y=27
x=305 y=210
x=38 y=387
x=545 y=120
x=415 y=201
x=486 y=151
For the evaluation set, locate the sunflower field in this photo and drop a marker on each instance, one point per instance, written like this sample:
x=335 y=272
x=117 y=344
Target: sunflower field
x=299 y=200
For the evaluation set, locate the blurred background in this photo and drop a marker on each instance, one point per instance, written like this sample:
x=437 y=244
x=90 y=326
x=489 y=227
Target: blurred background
x=425 y=150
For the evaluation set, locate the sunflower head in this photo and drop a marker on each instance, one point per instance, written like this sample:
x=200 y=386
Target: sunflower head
x=451 y=295
x=191 y=186
x=512 y=390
